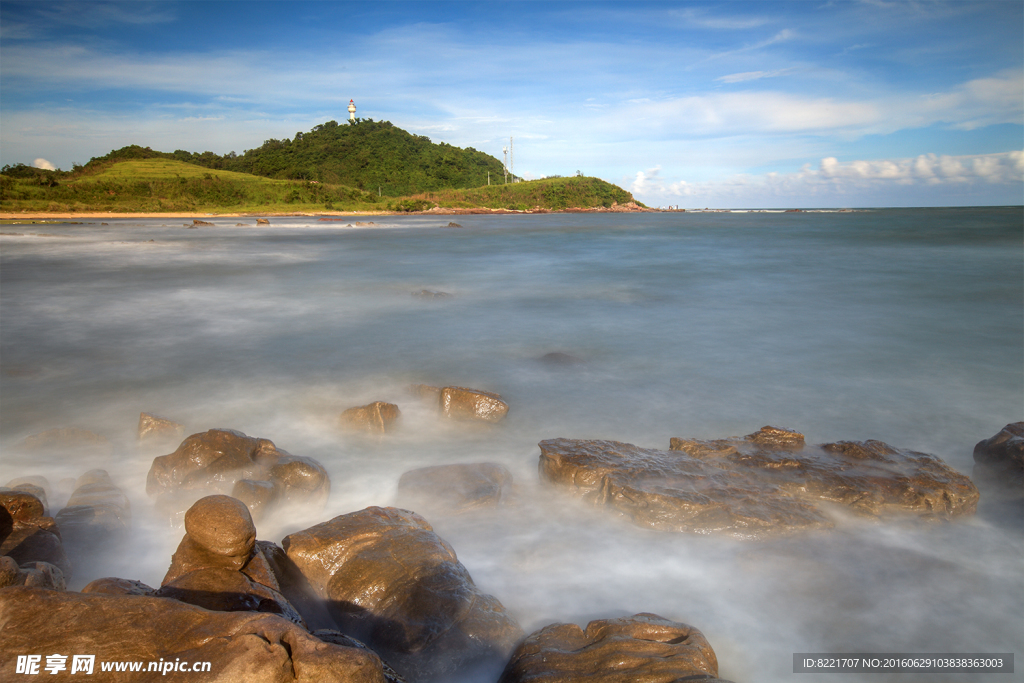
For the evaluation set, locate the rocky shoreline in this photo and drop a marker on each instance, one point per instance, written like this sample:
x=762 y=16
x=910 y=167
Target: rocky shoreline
x=375 y=594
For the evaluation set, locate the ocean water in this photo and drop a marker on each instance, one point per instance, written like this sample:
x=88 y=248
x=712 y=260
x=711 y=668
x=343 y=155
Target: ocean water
x=903 y=325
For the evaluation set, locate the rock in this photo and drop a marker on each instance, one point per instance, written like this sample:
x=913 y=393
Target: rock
x=111 y=585
x=96 y=518
x=35 y=485
x=460 y=403
x=392 y=583
x=262 y=221
x=27 y=535
x=258 y=496
x=196 y=223
x=218 y=566
x=644 y=647
x=295 y=587
x=431 y=294
x=213 y=462
x=68 y=440
x=157 y=432
x=757 y=485
x=454 y=489
x=240 y=646
x=376 y=418
x=453 y=224
x=1000 y=459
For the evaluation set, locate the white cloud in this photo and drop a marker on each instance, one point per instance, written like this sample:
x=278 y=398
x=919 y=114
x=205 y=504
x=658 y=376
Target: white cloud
x=43 y=163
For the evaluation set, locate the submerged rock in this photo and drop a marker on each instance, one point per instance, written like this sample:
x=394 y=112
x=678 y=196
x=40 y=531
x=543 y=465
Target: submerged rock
x=213 y=462
x=764 y=484
x=1000 y=459
x=644 y=647
x=454 y=489
x=392 y=583
x=68 y=440
x=96 y=519
x=240 y=646
x=375 y=418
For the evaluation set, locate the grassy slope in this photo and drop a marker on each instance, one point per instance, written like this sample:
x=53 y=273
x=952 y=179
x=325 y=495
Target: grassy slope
x=165 y=185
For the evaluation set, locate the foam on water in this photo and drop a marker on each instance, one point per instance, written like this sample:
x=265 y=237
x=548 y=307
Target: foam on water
x=900 y=325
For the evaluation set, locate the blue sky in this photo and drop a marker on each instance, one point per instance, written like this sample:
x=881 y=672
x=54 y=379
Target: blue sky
x=726 y=104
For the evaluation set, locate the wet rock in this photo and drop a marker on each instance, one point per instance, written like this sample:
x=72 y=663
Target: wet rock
x=96 y=519
x=196 y=223
x=111 y=585
x=68 y=440
x=460 y=403
x=758 y=485
x=218 y=565
x=27 y=535
x=258 y=496
x=431 y=294
x=392 y=583
x=426 y=392
x=376 y=418
x=213 y=462
x=240 y=646
x=35 y=485
x=157 y=432
x=999 y=460
x=262 y=221
x=454 y=489
x=669 y=491
x=644 y=647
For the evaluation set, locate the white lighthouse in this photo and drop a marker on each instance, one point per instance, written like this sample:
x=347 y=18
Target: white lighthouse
x=351 y=110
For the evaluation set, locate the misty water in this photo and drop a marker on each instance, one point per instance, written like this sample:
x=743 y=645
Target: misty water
x=904 y=325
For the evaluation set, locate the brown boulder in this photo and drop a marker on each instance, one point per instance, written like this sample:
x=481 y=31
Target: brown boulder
x=376 y=418
x=644 y=647
x=759 y=485
x=31 y=574
x=240 y=646
x=27 y=535
x=454 y=489
x=392 y=583
x=37 y=486
x=215 y=461
x=460 y=403
x=227 y=590
x=1000 y=459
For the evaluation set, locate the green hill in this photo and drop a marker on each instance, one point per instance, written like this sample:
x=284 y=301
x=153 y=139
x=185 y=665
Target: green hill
x=370 y=155
x=357 y=166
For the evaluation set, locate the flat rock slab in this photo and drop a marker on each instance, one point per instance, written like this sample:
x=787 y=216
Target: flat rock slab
x=240 y=646
x=644 y=647
x=394 y=584
x=767 y=483
x=454 y=489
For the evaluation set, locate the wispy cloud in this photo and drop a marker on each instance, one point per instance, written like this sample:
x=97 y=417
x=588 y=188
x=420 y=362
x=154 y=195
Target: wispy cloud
x=752 y=75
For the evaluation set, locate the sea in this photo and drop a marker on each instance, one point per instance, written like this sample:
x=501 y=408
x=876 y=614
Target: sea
x=901 y=325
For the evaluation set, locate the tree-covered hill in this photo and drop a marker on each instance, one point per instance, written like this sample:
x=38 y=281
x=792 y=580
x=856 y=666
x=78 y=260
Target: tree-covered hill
x=375 y=156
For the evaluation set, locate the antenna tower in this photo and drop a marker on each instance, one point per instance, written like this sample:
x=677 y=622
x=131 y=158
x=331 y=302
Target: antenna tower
x=504 y=163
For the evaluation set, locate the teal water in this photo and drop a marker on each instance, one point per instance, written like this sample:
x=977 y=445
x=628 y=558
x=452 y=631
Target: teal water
x=904 y=325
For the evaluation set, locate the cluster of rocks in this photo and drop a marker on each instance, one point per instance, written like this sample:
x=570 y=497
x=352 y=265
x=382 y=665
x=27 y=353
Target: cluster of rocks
x=376 y=595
